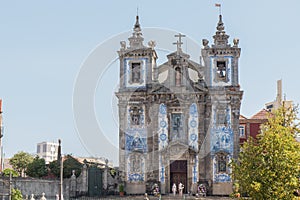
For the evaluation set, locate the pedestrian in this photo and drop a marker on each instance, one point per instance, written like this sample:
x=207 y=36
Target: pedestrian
x=174 y=188
x=146 y=196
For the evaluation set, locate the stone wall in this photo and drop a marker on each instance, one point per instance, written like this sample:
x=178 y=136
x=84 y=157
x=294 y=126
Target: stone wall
x=30 y=186
x=72 y=187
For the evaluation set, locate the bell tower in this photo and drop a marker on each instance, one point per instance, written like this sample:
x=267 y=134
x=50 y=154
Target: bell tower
x=221 y=59
x=137 y=76
x=137 y=62
x=222 y=78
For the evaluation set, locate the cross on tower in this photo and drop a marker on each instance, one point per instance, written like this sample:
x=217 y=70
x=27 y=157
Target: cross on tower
x=179 y=42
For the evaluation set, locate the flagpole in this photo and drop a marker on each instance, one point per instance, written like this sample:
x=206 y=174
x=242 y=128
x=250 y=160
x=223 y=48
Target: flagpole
x=220 y=7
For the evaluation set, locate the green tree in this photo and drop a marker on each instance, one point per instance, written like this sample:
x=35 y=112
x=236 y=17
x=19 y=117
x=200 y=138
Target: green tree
x=54 y=168
x=20 y=161
x=16 y=194
x=69 y=164
x=268 y=168
x=37 y=168
x=6 y=172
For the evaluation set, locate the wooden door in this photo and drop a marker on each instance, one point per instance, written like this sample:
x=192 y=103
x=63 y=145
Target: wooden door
x=178 y=173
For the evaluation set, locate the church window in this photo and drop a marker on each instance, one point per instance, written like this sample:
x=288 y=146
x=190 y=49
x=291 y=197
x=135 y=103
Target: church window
x=135 y=72
x=135 y=116
x=177 y=126
x=221 y=70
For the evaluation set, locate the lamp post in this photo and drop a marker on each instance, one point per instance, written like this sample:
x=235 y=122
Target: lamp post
x=60 y=161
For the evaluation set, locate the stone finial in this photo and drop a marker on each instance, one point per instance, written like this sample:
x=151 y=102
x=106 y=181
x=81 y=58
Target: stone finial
x=43 y=196
x=32 y=197
x=220 y=26
x=137 y=26
x=136 y=40
x=236 y=42
x=123 y=45
x=152 y=44
x=220 y=38
x=205 y=42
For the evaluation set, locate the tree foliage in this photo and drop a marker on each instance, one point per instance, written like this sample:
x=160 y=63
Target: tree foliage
x=37 y=168
x=16 y=194
x=69 y=164
x=268 y=168
x=6 y=172
x=54 y=168
x=20 y=161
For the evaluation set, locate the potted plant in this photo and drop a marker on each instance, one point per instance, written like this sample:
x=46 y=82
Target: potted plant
x=121 y=189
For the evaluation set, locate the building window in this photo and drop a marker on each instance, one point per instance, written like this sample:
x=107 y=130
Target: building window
x=38 y=149
x=270 y=107
x=44 y=147
x=242 y=131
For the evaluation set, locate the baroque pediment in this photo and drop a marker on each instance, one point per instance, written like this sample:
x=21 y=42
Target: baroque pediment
x=177 y=148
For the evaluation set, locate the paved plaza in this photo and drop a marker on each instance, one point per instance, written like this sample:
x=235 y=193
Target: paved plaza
x=164 y=197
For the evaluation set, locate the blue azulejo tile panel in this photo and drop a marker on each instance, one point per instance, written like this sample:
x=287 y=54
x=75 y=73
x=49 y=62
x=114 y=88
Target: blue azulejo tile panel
x=135 y=142
x=193 y=127
x=163 y=136
x=135 y=167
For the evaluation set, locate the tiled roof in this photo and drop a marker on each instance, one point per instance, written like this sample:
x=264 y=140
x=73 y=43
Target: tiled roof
x=262 y=114
x=242 y=117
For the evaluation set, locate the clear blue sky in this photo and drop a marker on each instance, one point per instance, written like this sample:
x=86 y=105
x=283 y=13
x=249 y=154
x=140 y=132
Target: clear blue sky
x=44 y=43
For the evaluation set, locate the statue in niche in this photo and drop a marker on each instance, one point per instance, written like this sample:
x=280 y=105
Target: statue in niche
x=177 y=76
x=135 y=163
x=136 y=72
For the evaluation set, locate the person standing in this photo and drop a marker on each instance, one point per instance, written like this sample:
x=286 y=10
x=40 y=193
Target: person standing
x=180 y=188
x=174 y=188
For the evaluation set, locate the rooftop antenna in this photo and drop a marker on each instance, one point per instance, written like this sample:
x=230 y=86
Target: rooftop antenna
x=137 y=11
x=220 y=8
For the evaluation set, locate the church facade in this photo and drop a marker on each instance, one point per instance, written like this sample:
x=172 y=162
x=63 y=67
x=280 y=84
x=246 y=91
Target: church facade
x=182 y=129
